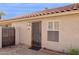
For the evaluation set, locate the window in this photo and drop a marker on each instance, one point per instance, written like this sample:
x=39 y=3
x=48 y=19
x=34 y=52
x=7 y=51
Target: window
x=53 y=36
x=56 y=26
x=53 y=26
x=53 y=31
x=50 y=25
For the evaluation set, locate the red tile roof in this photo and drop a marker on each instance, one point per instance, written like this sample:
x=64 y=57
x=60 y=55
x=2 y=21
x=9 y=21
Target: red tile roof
x=51 y=11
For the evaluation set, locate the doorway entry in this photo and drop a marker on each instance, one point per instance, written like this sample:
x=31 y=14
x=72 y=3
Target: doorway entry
x=36 y=35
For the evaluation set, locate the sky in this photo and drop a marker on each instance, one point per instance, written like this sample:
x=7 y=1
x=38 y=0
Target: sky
x=14 y=9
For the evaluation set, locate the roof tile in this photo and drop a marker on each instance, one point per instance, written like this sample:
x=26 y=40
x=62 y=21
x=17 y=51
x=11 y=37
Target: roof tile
x=52 y=11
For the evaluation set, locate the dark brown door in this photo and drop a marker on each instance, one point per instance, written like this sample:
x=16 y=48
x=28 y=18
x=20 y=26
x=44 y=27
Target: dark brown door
x=8 y=36
x=36 y=35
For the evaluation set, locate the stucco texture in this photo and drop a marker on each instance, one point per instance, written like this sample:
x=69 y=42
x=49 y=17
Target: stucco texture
x=68 y=32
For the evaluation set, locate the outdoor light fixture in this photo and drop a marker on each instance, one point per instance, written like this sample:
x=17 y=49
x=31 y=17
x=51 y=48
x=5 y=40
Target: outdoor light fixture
x=28 y=24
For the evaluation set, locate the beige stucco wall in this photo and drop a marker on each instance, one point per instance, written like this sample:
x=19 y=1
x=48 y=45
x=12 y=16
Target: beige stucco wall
x=0 y=37
x=17 y=39
x=23 y=33
x=68 y=33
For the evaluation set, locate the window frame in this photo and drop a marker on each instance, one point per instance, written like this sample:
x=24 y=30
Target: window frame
x=53 y=25
x=53 y=29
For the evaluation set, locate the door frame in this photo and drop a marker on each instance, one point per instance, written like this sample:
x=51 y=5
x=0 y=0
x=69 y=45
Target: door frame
x=40 y=33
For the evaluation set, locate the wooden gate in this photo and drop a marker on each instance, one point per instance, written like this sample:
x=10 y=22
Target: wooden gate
x=8 y=36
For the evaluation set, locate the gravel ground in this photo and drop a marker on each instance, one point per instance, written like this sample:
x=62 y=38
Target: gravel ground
x=22 y=50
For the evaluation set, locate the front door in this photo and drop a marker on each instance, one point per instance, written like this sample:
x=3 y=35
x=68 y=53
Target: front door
x=36 y=35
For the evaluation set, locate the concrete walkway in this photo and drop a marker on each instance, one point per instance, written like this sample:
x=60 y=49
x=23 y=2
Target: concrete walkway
x=20 y=50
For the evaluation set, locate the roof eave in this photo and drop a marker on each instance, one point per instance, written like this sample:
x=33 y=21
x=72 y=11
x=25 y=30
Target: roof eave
x=44 y=16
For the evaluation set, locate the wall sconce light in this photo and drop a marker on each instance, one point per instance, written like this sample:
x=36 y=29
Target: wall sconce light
x=29 y=24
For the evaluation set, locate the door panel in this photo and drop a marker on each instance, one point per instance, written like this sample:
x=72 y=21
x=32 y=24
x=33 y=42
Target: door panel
x=36 y=34
x=8 y=36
